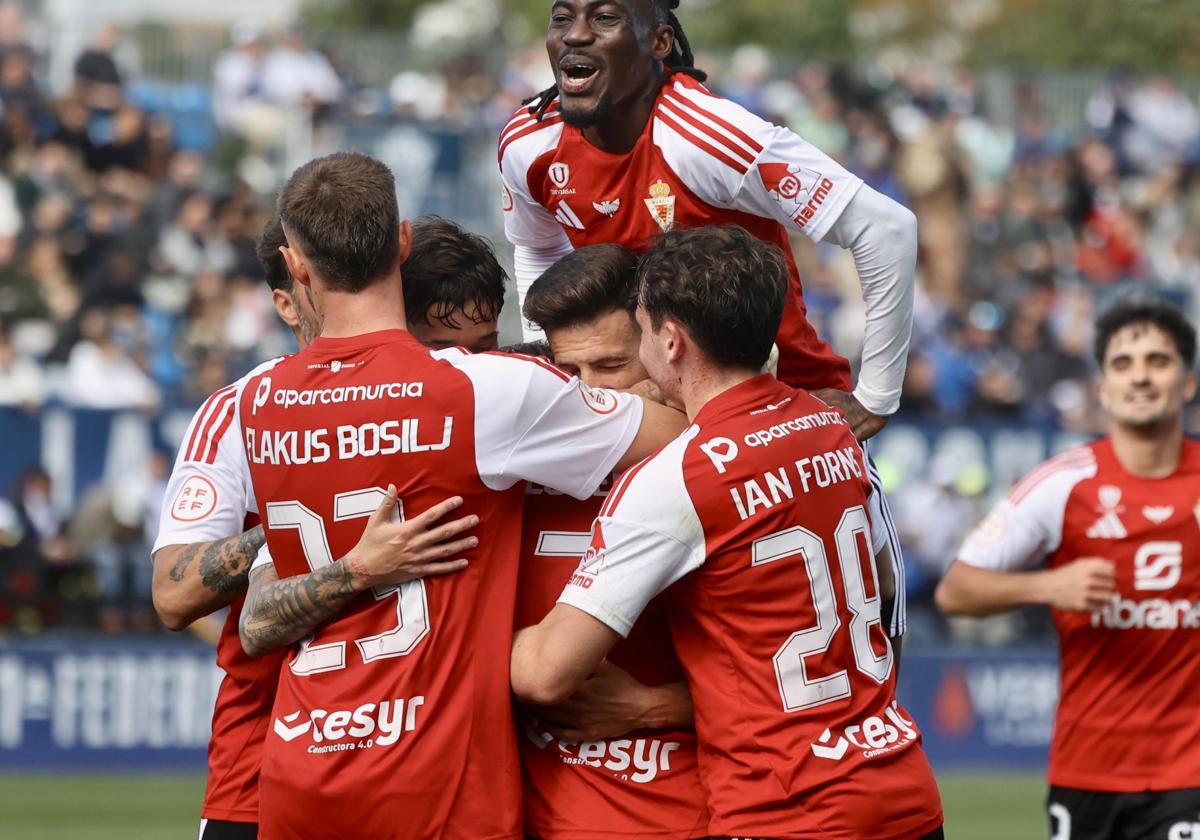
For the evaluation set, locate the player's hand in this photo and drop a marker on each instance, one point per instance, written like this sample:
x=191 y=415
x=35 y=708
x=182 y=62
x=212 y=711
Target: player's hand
x=647 y=390
x=391 y=551
x=1080 y=586
x=609 y=704
x=863 y=423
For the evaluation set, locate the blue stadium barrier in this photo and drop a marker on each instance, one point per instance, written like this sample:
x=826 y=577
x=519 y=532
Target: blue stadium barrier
x=126 y=704
x=85 y=704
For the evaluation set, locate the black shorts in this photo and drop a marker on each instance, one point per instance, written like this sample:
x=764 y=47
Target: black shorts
x=1150 y=815
x=222 y=830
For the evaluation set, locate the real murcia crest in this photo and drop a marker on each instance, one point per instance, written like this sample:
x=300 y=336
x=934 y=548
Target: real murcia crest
x=661 y=205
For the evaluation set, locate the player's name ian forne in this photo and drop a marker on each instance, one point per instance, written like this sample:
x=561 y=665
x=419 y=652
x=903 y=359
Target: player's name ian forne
x=316 y=446
x=777 y=485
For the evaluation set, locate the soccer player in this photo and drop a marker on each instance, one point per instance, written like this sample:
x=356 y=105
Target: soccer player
x=392 y=719
x=621 y=752
x=758 y=514
x=1114 y=526
x=453 y=287
x=202 y=558
x=629 y=143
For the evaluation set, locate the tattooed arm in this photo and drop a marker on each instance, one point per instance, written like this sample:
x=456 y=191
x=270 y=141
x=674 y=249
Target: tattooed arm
x=191 y=581
x=279 y=612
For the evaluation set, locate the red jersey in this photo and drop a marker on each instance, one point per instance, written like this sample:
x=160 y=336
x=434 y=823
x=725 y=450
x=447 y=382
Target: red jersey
x=701 y=160
x=1129 y=706
x=209 y=497
x=645 y=784
x=758 y=514
x=394 y=721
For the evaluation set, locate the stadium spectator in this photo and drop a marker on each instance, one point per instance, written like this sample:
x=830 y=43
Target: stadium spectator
x=98 y=80
x=295 y=74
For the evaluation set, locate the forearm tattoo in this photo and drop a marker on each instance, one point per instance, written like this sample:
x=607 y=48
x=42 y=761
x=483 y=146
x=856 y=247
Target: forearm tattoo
x=285 y=611
x=224 y=564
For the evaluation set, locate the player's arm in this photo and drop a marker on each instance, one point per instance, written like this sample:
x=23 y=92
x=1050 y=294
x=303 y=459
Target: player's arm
x=611 y=703
x=190 y=581
x=1081 y=585
x=774 y=173
x=659 y=426
x=882 y=237
x=649 y=539
x=201 y=556
x=994 y=570
x=279 y=612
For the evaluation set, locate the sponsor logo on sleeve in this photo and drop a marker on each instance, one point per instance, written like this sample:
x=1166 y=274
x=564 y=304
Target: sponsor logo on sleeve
x=799 y=192
x=591 y=562
x=598 y=400
x=196 y=500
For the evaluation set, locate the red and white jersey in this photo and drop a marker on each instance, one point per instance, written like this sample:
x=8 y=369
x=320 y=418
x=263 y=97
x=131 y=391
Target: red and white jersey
x=209 y=497
x=1129 y=706
x=645 y=784
x=701 y=160
x=395 y=720
x=758 y=514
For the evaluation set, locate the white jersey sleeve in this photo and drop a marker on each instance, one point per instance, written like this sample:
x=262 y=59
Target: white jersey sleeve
x=534 y=422
x=734 y=159
x=263 y=558
x=209 y=492
x=522 y=142
x=647 y=536
x=1027 y=525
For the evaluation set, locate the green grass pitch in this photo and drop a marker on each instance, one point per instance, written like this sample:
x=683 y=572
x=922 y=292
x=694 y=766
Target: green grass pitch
x=978 y=807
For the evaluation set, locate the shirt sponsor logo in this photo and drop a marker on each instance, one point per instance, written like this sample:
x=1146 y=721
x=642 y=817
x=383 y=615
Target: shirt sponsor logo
x=287 y=397
x=720 y=450
x=798 y=191
x=370 y=725
x=608 y=208
x=874 y=736
x=661 y=205
x=1148 y=614
x=1109 y=526
x=560 y=174
x=592 y=560
x=261 y=393
x=638 y=760
x=1157 y=565
x=196 y=500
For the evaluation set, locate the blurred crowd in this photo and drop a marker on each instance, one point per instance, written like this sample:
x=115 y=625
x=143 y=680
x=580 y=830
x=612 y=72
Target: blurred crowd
x=128 y=279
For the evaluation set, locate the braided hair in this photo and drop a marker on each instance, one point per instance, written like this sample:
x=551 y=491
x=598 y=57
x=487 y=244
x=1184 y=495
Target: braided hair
x=681 y=59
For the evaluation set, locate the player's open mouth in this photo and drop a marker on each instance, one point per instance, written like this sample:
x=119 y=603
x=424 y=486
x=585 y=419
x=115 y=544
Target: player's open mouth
x=577 y=76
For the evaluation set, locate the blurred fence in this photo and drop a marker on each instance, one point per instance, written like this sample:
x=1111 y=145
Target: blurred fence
x=70 y=703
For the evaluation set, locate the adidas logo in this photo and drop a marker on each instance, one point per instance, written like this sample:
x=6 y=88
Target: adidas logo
x=566 y=216
x=1108 y=527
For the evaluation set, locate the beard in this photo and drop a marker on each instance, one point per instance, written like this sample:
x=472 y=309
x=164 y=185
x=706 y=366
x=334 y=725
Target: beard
x=595 y=115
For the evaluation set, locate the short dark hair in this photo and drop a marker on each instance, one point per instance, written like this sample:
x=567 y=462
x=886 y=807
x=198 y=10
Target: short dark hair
x=583 y=285
x=450 y=268
x=1145 y=310
x=341 y=209
x=726 y=287
x=273 y=264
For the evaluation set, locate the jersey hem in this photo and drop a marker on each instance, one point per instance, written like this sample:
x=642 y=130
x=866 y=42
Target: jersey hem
x=1108 y=784
x=226 y=815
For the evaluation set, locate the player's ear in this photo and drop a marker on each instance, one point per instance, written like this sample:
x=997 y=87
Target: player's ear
x=1189 y=387
x=285 y=308
x=405 y=240
x=674 y=341
x=297 y=267
x=1102 y=391
x=663 y=42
